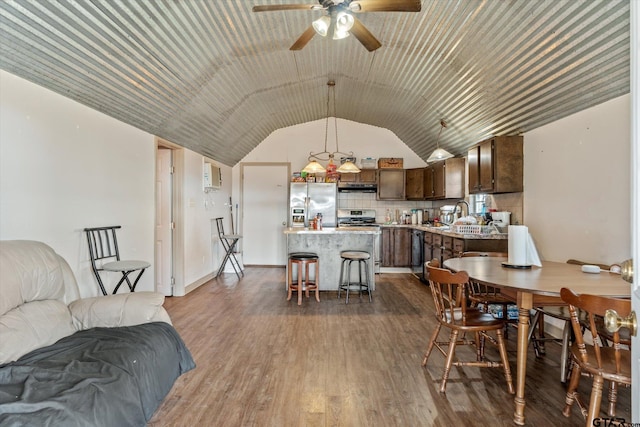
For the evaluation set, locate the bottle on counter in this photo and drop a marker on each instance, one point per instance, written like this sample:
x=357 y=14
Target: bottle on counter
x=387 y=217
x=319 y=221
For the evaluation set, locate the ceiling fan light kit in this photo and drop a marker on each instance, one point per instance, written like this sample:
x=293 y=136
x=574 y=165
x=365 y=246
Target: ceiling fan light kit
x=340 y=18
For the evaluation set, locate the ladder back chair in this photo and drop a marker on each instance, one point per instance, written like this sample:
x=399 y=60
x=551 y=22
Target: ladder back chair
x=486 y=296
x=448 y=290
x=589 y=355
x=103 y=246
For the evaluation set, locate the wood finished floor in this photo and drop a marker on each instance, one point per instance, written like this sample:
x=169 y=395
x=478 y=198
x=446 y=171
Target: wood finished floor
x=263 y=361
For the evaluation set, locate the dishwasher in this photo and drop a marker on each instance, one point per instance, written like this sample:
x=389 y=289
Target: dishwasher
x=417 y=254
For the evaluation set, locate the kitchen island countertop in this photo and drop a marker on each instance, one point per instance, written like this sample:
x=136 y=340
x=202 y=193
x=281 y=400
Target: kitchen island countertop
x=333 y=230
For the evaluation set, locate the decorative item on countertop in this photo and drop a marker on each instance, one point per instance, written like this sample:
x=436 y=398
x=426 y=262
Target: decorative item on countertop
x=297 y=177
x=390 y=163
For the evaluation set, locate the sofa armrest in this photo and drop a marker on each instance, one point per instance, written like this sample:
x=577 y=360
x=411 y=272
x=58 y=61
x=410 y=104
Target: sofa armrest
x=118 y=310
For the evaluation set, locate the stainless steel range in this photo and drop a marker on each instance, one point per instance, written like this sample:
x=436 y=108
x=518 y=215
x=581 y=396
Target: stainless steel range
x=363 y=218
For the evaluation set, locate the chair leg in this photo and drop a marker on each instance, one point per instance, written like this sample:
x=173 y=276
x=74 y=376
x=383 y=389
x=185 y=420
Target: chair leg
x=596 y=399
x=341 y=279
x=366 y=274
x=289 y=281
x=306 y=279
x=571 y=389
x=564 y=354
x=505 y=361
x=613 y=398
x=317 y=279
x=450 y=353
x=432 y=341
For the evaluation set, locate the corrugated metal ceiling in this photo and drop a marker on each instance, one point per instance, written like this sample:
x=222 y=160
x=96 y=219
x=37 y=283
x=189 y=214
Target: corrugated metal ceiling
x=215 y=77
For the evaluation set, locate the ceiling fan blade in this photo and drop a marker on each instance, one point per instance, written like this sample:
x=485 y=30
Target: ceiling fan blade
x=303 y=39
x=364 y=36
x=385 y=6
x=276 y=7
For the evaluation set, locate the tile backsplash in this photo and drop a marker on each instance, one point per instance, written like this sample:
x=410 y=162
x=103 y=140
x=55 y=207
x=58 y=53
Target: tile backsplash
x=510 y=202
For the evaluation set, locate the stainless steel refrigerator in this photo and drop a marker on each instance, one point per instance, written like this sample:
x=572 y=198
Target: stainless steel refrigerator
x=308 y=199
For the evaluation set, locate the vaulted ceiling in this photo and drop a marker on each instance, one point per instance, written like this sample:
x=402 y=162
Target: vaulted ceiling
x=218 y=78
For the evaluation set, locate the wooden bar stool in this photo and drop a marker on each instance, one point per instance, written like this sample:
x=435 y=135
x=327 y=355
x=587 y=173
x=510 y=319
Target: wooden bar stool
x=362 y=258
x=303 y=283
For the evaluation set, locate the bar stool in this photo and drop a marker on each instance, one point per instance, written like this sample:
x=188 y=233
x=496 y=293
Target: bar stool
x=303 y=260
x=362 y=258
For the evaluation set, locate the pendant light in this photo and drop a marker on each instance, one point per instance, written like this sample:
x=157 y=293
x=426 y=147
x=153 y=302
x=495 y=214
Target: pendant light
x=439 y=153
x=314 y=166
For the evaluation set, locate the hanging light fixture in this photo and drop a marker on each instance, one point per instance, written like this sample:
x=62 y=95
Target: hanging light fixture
x=439 y=153
x=315 y=167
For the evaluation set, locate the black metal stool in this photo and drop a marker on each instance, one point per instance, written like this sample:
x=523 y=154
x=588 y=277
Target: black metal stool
x=229 y=242
x=303 y=283
x=362 y=258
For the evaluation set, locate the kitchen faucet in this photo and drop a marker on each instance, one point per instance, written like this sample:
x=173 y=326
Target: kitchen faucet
x=455 y=209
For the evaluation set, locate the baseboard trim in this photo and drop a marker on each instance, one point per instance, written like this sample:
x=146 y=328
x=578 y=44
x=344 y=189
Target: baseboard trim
x=195 y=285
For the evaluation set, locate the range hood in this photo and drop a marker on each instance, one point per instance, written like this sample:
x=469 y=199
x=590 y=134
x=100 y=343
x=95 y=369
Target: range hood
x=359 y=187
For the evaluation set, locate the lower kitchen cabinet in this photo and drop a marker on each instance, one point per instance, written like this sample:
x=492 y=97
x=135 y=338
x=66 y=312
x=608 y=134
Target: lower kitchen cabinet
x=396 y=247
x=443 y=247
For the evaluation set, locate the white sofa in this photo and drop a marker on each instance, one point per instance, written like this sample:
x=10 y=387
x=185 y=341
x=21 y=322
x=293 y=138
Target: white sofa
x=41 y=313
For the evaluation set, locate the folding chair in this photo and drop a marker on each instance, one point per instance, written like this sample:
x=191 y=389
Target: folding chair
x=229 y=242
x=103 y=245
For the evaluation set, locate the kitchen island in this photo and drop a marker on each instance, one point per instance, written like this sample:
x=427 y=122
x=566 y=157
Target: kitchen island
x=328 y=243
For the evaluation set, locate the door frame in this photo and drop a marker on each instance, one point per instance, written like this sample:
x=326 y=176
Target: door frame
x=240 y=224
x=635 y=202
x=177 y=185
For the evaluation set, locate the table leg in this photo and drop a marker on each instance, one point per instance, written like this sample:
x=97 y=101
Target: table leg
x=525 y=303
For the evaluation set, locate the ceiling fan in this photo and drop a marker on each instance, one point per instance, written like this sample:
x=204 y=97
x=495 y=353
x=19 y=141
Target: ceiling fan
x=339 y=19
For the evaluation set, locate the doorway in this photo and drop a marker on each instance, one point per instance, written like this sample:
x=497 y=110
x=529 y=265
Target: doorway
x=264 y=195
x=164 y=222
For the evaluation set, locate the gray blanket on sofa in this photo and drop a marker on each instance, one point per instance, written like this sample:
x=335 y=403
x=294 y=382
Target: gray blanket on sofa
x=97 y=377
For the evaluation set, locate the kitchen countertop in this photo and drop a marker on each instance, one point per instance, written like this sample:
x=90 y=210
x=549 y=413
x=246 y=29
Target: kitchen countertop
x=446 y=232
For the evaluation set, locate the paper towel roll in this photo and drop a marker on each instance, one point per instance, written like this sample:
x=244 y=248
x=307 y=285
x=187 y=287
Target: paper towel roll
x=518 y=238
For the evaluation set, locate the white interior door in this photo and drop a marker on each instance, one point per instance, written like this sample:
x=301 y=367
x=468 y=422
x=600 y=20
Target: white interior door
x=265 y=199
x=164 y=241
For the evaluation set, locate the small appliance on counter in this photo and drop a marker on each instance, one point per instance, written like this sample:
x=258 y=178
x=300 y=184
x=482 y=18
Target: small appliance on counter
x=501 y=220
x=447 y=214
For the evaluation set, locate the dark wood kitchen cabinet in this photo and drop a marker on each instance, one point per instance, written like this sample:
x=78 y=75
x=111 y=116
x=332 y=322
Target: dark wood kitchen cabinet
x=396 y=247
x=444 y=180
x=414 y=184
x=496 y=165
x=365 y=175
x=391 y=184
x=443 y=247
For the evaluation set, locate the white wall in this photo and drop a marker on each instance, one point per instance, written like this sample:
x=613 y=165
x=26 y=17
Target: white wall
x=293 y=144
x=577 y=185
x=64 y=167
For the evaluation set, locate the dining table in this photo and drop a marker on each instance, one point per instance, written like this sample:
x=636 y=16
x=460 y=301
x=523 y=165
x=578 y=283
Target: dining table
x=533 y=286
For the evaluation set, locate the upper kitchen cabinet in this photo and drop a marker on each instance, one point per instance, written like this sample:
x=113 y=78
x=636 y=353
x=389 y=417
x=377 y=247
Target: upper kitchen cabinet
x=414 y=184
x=391 y=184
x=496 y=164
x=365 y=175
x=445 y=179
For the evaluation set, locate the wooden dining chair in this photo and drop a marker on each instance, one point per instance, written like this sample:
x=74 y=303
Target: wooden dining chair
x=589 y=355
x=487 y=297
x=561 y=313
x=448 y=290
